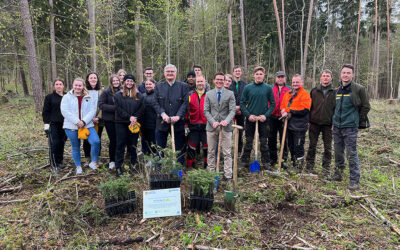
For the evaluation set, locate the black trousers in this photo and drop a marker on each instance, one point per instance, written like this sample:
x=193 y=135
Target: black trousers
x=125 y=138
x=313 y=134
x=112 y=146
x=250 y=129
x=57 y=143
x=296 y=141
x=240 y=121
x=194 y=138
x=148 y=141
x=275 y=127
x=86 y=144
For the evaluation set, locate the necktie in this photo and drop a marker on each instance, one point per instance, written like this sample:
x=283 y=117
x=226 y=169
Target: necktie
x=219 y=95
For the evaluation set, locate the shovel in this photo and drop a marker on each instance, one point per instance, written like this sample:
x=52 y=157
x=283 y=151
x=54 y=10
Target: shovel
x=282 y=144
x=53 y=165
x=255 y=166
x=231 y=196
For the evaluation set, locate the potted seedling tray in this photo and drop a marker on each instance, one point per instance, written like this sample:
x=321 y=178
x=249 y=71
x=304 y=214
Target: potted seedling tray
x=121 y=206
x=201 y=202
x=163 y=181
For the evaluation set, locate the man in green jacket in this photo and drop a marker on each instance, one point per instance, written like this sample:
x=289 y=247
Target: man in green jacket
x=322 y=108
x=257 y=104
x=352 y=107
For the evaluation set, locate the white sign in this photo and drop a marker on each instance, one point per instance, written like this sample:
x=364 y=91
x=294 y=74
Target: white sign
x=162 y=203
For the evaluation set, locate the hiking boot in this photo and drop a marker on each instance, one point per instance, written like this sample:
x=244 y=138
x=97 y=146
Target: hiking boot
x=78 y=170
x=244 y=163
x=338 y=175
x=61 y=166
x=353 y=186
x=266 y=166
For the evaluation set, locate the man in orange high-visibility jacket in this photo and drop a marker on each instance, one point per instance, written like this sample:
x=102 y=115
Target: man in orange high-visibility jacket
x=295 y=107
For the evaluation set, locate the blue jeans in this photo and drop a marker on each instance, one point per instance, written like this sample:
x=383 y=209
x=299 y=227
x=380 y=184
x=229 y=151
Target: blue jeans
x=93 y=139
x=347 y=138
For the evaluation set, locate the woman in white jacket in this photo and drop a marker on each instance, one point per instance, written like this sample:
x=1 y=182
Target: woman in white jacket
x=79 y=109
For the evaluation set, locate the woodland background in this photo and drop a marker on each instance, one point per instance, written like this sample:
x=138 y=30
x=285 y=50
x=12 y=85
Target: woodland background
x=42 y=40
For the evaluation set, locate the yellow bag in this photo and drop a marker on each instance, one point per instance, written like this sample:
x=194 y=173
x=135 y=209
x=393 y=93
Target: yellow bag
x=83 y=133
x=135 y=129
x=96 y=127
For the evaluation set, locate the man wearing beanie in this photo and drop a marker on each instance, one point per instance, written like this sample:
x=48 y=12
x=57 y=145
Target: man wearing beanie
x=171 y=105
x=191 y=80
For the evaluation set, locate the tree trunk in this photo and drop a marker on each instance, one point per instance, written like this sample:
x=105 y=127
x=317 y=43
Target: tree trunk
x=388 y=82
x=191 y=31
x=283 y=27
x=92 y=31
x=301 y=38
x=230 y=37
x=204 y=35
x=52 y=44
x=357 y=38
x=310 y=11
x=279 y=36
x=377 y=92
x=138 y=45
x=31 y=52
x=243 y=34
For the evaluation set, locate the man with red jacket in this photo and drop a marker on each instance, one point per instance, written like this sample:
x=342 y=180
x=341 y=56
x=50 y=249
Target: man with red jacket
x=275 y=124
x=295 y=107
x=196 y=122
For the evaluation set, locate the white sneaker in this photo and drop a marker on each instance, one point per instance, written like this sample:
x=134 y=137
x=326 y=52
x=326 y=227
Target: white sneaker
x=78 y=170
x=111 y=165
x=93 y=165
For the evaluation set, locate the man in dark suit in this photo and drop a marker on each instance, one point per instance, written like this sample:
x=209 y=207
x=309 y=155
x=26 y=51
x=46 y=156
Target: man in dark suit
x=219 y=109
x=170 y=104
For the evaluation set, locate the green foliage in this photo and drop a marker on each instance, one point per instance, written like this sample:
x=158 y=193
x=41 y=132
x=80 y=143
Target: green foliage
x=201 y=179
x=115 y=188
x=90 y=210
x=167 y=162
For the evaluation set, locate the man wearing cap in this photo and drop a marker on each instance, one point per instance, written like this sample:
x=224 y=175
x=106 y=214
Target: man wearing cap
x=237 y=87
x=257 y=104
x=170 y=105
x=148 y=74
x=275 y=123
x=322 y=107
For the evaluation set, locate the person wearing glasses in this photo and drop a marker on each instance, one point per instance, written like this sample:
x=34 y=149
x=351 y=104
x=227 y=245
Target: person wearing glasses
x=170 y=105
x=148 y=75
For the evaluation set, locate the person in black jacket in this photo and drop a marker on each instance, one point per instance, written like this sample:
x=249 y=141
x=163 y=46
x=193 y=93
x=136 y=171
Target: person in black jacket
x=53 y=125
x=107 y=106
x=237 y=87
x=148 y=74
x=170 y=105
x=129 y=109
x=322 y=107
x=149 y=119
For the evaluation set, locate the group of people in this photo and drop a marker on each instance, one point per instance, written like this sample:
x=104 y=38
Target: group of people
x=201 y=117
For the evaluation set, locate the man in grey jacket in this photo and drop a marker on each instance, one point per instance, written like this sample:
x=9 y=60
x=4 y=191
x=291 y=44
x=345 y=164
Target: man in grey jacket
x=219 y=109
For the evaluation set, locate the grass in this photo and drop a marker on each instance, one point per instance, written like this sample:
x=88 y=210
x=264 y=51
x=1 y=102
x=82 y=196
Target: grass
x=271 y=212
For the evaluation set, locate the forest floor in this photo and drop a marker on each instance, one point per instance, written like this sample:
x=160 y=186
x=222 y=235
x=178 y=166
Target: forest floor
x=58 y=211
